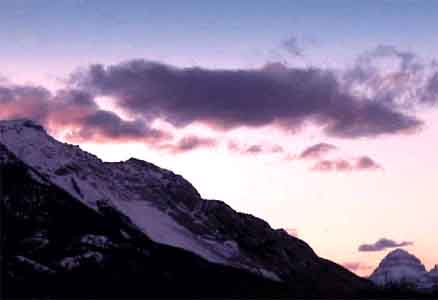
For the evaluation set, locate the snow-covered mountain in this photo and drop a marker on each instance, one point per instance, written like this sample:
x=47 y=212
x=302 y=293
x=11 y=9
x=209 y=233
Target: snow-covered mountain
x=401 y=267
x=67 y=212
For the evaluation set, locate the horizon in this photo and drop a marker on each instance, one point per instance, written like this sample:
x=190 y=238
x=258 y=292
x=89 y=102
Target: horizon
x=320 y=119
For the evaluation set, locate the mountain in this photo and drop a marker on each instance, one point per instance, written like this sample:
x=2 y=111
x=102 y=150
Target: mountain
x=433 y=275
x=75 y=226
x=402 y=268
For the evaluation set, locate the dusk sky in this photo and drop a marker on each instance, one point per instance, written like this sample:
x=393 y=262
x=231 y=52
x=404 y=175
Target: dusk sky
x=318 y=116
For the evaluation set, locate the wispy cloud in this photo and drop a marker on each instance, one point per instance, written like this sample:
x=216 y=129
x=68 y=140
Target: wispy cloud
x=399 y=78
x=188 y=143
x=292 y=46
x=383 y=244
x=254 y=149
x=366 y=163
x=317 y=150
x=363 y=163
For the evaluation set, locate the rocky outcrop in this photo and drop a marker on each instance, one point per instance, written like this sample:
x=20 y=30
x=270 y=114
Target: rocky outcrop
x=132 y=229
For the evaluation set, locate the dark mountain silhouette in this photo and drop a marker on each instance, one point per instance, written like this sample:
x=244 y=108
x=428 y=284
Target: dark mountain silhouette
x=76 y=227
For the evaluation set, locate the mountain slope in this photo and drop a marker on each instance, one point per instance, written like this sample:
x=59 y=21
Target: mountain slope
x=67 y=212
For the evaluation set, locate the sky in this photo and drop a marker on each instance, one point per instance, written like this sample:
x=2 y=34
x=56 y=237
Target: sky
x=319 y=117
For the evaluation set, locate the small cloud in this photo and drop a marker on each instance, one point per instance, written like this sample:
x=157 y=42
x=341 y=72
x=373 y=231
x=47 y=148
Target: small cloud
x=366 y=163
x=356 y=266
x=332 y=165
x=292 y=46
x=233 y=146
x=383 y=244
x=255 y=149
x=342 y=165
x=317 y=150
x=277 y=149
x=189 y=143
x=363 y=163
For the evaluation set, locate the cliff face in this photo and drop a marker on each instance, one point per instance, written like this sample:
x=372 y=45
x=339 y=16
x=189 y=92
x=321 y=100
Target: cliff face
x=75 y=226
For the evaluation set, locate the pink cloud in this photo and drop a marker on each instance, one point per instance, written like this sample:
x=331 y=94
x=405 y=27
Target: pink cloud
x=317 y=151
x=357 y=267
x=188 y=143
x=363 y=163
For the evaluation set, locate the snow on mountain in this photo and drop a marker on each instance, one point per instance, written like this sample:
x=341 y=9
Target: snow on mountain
x=401 y=267
x=137 y=189
x=70 y=213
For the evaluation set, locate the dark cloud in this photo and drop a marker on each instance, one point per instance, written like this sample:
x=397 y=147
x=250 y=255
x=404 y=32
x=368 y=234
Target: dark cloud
x=292 y=46
x=275 y=95
x=317 y=150
x=366 y=163
x=73 y=110
x=362 y=163
x=383 y=244
x=24 y=102
x=104 y=125
x=189 y=143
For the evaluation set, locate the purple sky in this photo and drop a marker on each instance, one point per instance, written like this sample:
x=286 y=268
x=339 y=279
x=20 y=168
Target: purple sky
x=318 y=118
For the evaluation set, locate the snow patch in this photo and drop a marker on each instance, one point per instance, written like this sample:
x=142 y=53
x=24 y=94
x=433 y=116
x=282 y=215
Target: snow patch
x=98 y=241
x=137 y=189
x=34 y=265
x=73 y=262
x=163 y=229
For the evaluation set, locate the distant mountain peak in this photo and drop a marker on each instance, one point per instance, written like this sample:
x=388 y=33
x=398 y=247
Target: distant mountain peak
x=401 y=267
x=400 y=254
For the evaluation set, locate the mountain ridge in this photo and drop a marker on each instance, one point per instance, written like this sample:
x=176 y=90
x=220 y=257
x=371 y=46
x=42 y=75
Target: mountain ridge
x=152 y=204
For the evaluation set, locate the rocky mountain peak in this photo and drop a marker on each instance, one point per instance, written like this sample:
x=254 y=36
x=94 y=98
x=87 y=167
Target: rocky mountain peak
x=401 y=267
x=402 y=257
